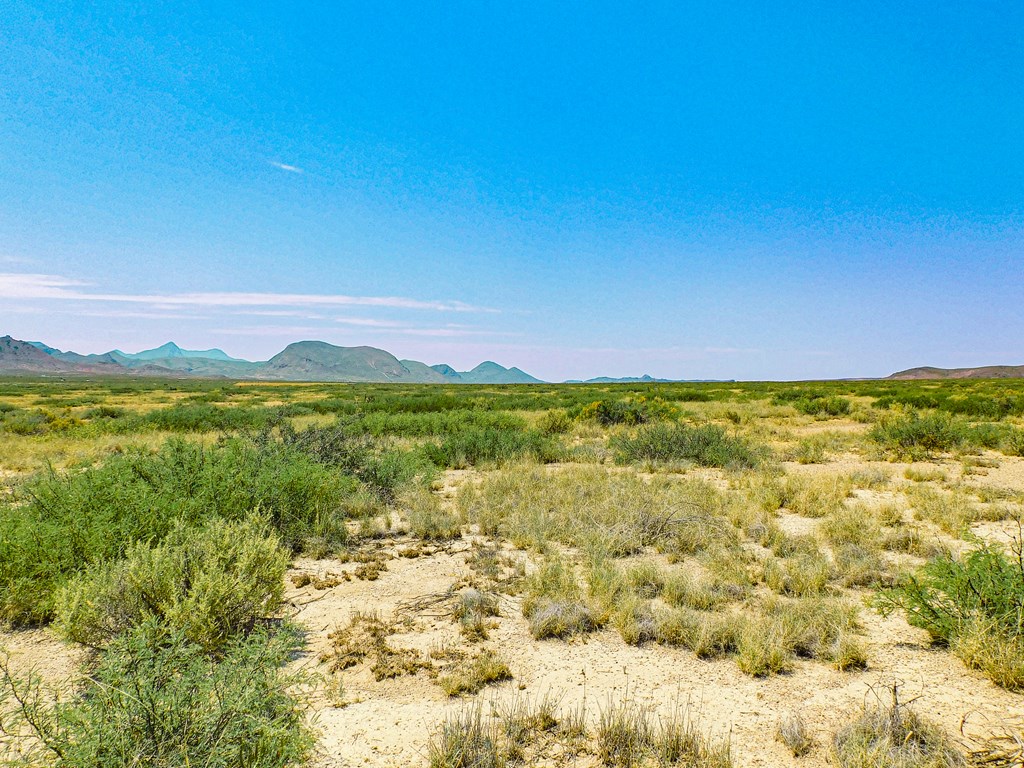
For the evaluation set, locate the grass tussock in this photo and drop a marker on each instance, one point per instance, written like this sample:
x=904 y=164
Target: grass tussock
x=597 y=511
x=894 y=736
x=472 y=675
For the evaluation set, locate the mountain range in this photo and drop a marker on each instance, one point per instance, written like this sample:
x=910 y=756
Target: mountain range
x=301 y=361
x=984 y=372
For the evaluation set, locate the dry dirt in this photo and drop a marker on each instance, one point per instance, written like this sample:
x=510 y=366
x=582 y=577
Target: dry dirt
x=389 y=722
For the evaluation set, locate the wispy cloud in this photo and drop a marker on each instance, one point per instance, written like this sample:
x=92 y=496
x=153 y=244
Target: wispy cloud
x=286 y=167
x=54 y=287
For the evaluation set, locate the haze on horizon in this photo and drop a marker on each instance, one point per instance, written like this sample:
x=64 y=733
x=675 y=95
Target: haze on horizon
x=686 y=190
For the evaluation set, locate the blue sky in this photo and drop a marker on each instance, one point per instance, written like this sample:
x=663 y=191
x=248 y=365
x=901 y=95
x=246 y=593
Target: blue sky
x=691 y=190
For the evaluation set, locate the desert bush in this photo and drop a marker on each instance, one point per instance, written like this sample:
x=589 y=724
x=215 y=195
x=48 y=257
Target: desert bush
x=974 y=604
x=157 y=699
x=554 y=423
x=894 y=737
x=707 y=445
x=437 y=423
x=471 y=447
x=206 y=417
x=823 y=406
x=210 y=583
x=907 y=434
x=1013 y=443
x=66 y=523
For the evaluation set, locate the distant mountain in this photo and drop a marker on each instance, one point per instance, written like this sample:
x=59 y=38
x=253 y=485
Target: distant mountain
x=984 y=372
x=29 y=357
x=491 y=373
x=645 y=379
x=447 y=371
x=301 y=361
x=170 y=350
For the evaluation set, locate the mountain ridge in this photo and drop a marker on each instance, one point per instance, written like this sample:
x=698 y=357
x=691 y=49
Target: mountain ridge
x=979 y=372
x=308 y=360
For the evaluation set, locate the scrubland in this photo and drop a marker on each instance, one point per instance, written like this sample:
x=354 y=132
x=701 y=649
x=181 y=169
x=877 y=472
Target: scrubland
x=721 y=574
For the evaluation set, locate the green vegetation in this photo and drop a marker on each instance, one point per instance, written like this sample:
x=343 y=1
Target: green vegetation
x=707 y=445
x=157 y=699
x=153 y=522
x=973 y=604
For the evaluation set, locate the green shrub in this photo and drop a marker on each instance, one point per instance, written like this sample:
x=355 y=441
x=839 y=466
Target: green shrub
x=554 y=423
x=907 y=434
x=974 y=603
x=210 y=583
x=493 y=446
x=69 y=522
x=158 y=700
x=707 y=445
x=823 y=406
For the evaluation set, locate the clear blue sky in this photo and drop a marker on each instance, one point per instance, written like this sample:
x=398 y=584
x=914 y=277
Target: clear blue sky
x=691 y=190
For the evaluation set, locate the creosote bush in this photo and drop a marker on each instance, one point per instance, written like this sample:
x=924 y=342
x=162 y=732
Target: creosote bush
x=707 y=445
x=974 y=604
x=68 y=522
x=906 y=434
x=159 y=700
x=210 y=582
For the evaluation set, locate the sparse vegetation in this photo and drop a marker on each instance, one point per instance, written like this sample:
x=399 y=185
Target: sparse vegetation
x=161 y=530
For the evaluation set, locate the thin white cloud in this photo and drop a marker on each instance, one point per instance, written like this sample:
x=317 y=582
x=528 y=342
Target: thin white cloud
x=37 y=286
x=286 y=167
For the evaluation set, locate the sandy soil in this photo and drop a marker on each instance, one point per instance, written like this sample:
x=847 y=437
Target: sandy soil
x=389 y=722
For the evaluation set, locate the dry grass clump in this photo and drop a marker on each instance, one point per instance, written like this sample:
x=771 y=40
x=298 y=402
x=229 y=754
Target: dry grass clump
x=855 y=524
x=466 y=741
x=366 y=637
x=587 y=507
x=792 y=732
x=799 y=576
x=683 y=589
x=925 y=475
x=626 y=737
x=894 y=736
x=471 y=675
x=554 y=604
x=473 y=609
x=952 y=511
x=812 y=496
x=427 y=518
x=982 y=645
